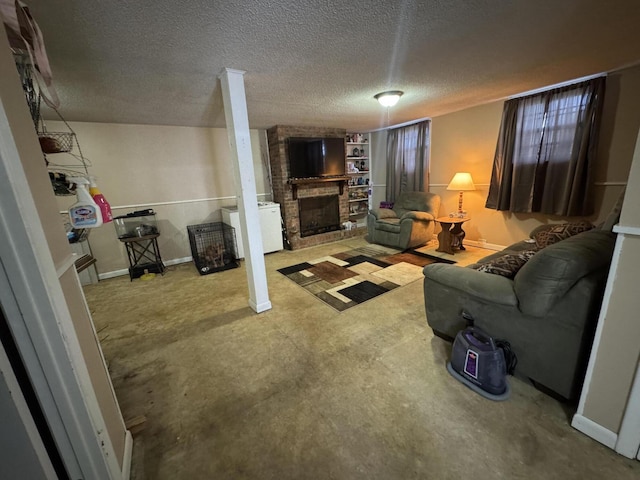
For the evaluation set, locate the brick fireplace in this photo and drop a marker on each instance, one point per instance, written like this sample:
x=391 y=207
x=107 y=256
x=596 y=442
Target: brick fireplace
x=319 y=214
x=291 y=197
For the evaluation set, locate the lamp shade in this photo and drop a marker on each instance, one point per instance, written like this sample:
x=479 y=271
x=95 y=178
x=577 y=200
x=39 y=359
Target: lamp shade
x=388 y=99
x=461 y=181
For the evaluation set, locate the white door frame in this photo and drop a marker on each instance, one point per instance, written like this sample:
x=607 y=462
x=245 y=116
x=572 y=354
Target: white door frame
x=42 y=326
x=628 y=441
x=27 y=439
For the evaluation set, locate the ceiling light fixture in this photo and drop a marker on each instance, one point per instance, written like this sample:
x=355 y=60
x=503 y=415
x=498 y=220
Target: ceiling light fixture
x=388 y=99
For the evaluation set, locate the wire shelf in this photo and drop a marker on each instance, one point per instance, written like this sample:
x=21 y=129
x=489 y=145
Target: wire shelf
x=56 y=142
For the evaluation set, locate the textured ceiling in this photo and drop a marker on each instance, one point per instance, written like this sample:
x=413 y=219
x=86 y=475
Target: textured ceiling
x=320 y=62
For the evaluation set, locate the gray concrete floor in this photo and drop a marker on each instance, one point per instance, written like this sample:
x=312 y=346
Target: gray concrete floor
x=305 y=392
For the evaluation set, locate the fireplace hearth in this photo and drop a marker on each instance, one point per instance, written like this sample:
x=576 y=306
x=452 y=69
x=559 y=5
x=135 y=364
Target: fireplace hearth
x=319 y=214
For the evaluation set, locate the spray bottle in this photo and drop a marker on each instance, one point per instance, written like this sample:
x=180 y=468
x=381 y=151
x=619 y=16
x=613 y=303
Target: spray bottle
x=85 y=213
x=102 y=203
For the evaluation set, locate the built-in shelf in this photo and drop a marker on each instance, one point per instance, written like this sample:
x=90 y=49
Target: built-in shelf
x=294 y=182
x=358 y=157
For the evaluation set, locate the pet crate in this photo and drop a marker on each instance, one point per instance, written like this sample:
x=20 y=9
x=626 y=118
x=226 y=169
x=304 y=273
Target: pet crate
x=213 y=247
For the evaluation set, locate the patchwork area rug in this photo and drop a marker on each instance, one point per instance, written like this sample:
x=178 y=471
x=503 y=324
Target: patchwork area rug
x=346 y=279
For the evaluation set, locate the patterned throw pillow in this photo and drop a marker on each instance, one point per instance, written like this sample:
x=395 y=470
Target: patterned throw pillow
x=506 y=265
x=555 y=233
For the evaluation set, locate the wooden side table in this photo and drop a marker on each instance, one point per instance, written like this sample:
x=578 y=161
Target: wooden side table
x=451 y=237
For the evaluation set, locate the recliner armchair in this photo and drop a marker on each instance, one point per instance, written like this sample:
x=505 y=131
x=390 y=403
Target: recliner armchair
x=409 y=224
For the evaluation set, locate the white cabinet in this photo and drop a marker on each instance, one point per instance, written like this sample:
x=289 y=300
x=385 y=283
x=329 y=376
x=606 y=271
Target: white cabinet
x=270 y=226
x=358 y=171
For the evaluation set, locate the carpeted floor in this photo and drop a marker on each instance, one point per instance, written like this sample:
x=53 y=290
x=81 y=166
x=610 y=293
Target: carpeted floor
x=346 y=279
x=303 y=391
x=462 y=258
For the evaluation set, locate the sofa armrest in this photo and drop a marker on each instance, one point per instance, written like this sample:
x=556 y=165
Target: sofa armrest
x=416 y=215
x=468 y=282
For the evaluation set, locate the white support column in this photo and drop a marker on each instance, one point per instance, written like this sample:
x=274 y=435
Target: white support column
x=235 y=112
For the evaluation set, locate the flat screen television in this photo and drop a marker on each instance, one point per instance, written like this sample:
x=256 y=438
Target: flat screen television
x=316 y=157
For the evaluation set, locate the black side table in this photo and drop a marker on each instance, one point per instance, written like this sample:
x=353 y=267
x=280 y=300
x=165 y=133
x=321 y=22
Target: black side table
x=144 y=254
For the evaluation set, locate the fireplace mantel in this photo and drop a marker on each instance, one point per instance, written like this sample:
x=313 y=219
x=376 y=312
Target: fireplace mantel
x=294 y=182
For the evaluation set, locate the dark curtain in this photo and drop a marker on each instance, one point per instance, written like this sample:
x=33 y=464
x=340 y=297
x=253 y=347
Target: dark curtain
x=546 y=151
x=407 y=159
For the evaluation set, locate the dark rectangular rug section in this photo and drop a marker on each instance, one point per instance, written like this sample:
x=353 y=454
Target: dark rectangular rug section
x=349 y=278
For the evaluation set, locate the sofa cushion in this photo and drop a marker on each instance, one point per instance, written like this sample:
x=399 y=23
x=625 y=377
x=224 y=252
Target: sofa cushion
x=549 y=234
x=389 y=225
x=506 y=265
x=386 y=213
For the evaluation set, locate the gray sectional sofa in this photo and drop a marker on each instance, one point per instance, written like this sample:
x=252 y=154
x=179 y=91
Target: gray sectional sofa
x=547 y=310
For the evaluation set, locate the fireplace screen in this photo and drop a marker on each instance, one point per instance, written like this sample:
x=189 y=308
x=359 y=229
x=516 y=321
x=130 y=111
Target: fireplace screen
x=319 y=214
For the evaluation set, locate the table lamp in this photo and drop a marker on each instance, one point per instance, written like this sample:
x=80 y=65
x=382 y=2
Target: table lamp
x=462 y=182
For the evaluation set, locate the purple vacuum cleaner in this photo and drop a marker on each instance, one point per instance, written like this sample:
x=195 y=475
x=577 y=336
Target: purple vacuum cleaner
x=479 y=364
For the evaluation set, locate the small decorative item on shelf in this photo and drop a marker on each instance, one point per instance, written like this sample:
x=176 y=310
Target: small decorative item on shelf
x=355 y=152
x=461 y=214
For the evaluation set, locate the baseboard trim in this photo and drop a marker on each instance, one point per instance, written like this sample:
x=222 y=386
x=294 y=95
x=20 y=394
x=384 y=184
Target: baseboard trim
x=114 y=273
x=595 y=431
x=125 y=271
x=128 y=453
x=488 y=246
x=177 y=261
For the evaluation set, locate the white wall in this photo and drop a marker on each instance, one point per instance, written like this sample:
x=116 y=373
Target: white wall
x=183 y=173
x=616 y=350
x=378 y=143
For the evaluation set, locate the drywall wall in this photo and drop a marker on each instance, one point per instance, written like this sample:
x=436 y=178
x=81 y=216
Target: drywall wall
x=466 y=141
x=183 y=173
x=92 y=353
x=378 y=154
x=617 y=350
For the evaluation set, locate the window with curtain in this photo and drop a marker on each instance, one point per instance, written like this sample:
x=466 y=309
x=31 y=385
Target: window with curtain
x=546 y=151
x=408 y=159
